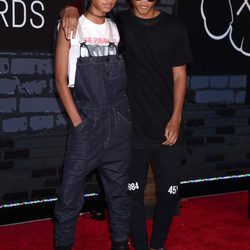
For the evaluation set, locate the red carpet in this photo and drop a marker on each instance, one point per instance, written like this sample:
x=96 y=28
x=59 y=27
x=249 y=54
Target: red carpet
x=207 y=223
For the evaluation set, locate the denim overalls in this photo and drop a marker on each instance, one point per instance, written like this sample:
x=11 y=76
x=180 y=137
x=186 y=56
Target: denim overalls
x=101 y=141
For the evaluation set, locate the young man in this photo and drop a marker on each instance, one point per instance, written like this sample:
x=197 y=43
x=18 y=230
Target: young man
x=156 y=51
x=100 y=133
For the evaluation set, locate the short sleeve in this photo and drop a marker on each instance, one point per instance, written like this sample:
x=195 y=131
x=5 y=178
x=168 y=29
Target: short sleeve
x=115 y=32
x=183 y=54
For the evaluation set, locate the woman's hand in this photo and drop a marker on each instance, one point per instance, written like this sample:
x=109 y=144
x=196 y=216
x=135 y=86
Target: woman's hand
x=77 y=122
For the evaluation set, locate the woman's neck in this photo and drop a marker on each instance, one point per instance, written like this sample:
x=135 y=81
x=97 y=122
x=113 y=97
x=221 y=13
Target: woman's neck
x=95 y=17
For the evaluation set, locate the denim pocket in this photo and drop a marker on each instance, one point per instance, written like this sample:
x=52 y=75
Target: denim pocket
x=121 y=132
x=123 y=112
x=125 y=116
x=88 y=121
x=114 y=70
x=80 y=125
x=122 y=118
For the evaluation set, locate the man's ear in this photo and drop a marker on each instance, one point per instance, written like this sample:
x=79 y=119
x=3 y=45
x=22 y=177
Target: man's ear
x=217 y=16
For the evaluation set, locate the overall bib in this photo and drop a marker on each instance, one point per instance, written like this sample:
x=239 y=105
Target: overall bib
x=101 y=141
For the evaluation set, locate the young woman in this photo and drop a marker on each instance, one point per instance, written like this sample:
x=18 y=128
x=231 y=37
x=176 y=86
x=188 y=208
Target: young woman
x=99 y=138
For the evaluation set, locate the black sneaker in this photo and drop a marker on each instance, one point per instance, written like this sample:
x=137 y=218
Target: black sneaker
x=120 y=245
x=158 y=248
x=63 y=248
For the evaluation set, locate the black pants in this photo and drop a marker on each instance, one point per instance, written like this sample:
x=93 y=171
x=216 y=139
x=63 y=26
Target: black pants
x=167 y=162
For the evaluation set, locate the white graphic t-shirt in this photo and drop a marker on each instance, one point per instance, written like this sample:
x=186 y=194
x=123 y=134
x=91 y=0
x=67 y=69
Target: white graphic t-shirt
x=97 y=37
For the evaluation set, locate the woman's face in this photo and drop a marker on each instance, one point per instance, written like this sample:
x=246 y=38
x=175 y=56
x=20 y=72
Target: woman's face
x=102 y=6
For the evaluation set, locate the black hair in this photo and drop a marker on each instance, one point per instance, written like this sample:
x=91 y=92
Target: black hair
x=85 y=5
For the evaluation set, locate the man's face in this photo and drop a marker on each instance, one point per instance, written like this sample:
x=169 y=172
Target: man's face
x=143 y=8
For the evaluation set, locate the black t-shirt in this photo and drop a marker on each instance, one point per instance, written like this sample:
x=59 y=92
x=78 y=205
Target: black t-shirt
x=151 y=48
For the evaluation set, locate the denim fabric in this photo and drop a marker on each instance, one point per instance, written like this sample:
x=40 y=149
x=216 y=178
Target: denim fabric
x=101 y=141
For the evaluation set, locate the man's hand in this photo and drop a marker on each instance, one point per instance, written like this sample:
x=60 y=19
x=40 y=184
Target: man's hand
x=70 y=18
x=173 y=126
x=171 y=132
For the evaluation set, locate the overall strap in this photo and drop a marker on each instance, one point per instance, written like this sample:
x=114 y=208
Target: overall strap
x=81 y=38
